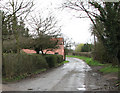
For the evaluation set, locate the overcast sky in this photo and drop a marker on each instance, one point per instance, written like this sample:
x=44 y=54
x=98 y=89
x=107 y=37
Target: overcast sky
x=72 y=27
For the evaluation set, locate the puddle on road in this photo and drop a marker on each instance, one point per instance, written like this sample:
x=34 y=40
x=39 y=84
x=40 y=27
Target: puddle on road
x=81 y=88
x=94 y=87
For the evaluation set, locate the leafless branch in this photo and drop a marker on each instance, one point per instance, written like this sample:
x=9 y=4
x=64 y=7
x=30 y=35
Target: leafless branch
x=18 y=8
x=47 y=25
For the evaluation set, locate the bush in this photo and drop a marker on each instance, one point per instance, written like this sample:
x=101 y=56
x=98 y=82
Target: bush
x=78 y=47
x=40 y=62
x=19 y=64
x=86 y=47
x=59 y=58
x=100 y=53
x=15 y=65
x=53 y=60
x=9 y=46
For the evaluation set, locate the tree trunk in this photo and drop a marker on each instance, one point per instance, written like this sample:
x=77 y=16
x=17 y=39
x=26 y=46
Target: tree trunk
x=118 y=56
x=1 y=48
x=37 y=52
x=64 y=56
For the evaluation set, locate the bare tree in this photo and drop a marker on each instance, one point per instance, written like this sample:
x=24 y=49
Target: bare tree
x=107 y=13
x=45 y=30
x=44 y=25
x=68 y=43
x=13 y=9
x=85 y=10
x=0 y=47
x=17 y=8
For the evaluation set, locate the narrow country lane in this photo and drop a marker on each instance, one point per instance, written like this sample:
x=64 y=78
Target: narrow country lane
x=69 y=77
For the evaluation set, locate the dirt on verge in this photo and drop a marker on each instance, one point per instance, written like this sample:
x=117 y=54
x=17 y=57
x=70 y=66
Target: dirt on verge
x=102 y=81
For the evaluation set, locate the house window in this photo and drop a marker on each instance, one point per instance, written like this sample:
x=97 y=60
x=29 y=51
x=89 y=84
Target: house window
x=56 y=53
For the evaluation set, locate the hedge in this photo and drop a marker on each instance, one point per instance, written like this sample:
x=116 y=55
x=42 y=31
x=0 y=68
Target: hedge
x=86 y=54
x=59 y=58
x=18 y=64
x=53 y=60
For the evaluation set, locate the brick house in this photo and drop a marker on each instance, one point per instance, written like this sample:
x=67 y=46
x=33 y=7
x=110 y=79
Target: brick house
x=59 y=50
x=28 y=51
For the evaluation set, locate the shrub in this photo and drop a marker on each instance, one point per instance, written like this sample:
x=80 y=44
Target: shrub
x=15 y=65
x=53 y=60
x=40 y=62
x=9 y=46
x=86 y=47
x=19 y=64
x=100 y=53
x=59 y=58
x=78 y=47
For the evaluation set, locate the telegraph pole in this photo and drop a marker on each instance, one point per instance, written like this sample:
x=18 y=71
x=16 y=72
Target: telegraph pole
x=0 y=51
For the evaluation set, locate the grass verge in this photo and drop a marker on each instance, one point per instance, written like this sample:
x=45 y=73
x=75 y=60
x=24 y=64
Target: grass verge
x=63 y=63
x=88 y=60
x=108 y=68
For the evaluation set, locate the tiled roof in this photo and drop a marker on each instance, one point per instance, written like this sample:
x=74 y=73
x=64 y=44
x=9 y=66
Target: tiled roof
x=60 y=50
x=29 y=51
